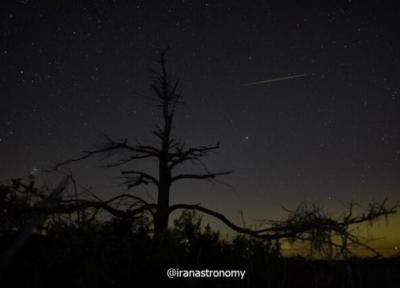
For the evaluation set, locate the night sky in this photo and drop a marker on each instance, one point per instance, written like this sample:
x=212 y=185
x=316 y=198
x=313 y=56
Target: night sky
x=73 y=70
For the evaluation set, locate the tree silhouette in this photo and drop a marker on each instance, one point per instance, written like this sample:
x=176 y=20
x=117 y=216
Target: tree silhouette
x=308 y=223
x=169 y=152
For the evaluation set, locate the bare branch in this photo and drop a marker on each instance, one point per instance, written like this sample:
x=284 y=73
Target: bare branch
x=209 y=176
x=112 y=147
x=136 y=178
x=217 y=215
x=83 y=204
x=182 y=154
x=309 y=223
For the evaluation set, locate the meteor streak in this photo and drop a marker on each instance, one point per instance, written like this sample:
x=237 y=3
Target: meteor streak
x=274 y=80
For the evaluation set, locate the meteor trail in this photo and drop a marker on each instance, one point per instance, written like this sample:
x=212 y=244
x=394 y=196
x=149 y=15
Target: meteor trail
x=274 y=80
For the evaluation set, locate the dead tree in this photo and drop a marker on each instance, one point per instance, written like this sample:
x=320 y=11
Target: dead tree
x=331 y=236
x=169 y=152
x=306 y=223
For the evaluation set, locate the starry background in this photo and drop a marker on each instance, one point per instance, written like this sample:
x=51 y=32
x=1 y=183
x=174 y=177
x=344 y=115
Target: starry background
x=72 y=70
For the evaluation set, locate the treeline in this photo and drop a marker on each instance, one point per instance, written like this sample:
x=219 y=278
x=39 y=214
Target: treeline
x=70 y=251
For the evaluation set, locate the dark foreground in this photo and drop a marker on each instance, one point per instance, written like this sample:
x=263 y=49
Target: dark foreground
x=115 y=254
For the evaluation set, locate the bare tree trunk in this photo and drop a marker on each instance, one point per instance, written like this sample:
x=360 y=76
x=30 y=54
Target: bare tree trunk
x=162 y=214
